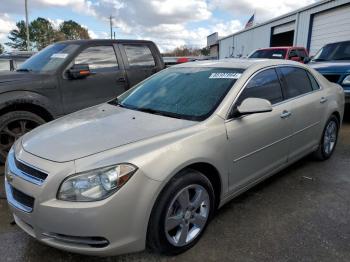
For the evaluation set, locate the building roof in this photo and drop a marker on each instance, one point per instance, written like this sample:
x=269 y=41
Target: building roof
x=279 y=17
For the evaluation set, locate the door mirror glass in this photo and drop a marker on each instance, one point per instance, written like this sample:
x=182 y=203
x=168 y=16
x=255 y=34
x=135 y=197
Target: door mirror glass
x=79 y=71
x=254 y=105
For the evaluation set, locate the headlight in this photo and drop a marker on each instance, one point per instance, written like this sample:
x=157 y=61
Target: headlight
x=346 y=80
x=96 y=184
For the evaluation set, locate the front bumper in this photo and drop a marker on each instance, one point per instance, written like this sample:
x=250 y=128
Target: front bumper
x=112 y=226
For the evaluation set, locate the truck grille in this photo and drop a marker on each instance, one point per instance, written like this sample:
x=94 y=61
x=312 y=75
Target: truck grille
x=333 y=78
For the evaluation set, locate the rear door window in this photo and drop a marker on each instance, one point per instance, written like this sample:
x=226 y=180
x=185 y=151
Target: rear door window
x=265 y=85
x=297 y=81
x=139 y=55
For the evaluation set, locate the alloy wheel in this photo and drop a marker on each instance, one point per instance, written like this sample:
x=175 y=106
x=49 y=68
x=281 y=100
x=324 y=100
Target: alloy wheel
x=187 y=215
x=330 y=137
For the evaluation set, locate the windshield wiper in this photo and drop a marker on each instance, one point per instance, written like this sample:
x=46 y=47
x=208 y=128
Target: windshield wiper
x=319 y=59
x=24 y=70
x=156 y=112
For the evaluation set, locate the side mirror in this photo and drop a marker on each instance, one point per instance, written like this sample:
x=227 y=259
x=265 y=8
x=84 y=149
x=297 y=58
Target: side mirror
x=307 y=60
x=254 y=105
x=79 y=71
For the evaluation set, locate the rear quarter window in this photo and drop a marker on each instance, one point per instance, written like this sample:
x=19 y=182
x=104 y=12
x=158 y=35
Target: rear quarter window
x=314 y=84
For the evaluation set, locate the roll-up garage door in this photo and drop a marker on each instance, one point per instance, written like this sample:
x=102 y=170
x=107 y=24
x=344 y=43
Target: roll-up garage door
x=329 y=27
x=284 y=28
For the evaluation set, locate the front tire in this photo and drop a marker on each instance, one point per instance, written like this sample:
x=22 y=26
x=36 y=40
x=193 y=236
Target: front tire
x=329 y=139
x=181 y=213
x=13 y=125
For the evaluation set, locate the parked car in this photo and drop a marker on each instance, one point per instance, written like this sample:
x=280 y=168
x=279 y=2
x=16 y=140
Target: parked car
x=69 y=76
x=150 y=168
x=294 y=53
x=333 y=62
x=12 y=60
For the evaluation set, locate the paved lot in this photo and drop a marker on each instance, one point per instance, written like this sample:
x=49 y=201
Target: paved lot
x=301 y=214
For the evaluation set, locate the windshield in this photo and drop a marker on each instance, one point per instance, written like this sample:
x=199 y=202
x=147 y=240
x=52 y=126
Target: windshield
x=270 y=54
x=4 y=65
x=49 y=59
x=187 y=93
x=336 y=51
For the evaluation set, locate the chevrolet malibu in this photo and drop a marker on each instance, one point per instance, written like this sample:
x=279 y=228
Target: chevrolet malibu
x=149 y=169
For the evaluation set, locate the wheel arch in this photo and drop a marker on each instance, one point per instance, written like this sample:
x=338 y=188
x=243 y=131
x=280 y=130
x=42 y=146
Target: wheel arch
x=337 y=115
x=28 y=101
x=33 y=108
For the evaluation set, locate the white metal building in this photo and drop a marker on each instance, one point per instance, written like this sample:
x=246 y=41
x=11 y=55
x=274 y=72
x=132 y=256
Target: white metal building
x=311 y=27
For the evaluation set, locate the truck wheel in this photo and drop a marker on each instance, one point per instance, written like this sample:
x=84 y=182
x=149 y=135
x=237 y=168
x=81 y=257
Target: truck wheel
x=181 y=213
x=13 y=125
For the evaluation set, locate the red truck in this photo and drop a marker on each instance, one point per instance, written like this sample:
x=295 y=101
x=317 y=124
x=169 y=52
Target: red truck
x=294 y=53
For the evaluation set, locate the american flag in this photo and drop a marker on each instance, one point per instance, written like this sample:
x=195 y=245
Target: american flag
x=250 y=22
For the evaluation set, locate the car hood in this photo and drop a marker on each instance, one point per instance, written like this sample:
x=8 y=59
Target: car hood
x=13 y=77
x=331 y=66
x=94 y=130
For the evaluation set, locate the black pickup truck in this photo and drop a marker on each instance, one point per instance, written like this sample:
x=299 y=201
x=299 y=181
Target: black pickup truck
x=69 y=76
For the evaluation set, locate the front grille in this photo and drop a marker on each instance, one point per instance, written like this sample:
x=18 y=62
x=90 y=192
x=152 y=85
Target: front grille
x=30 y=171
x=22 y=198
x=333 y=78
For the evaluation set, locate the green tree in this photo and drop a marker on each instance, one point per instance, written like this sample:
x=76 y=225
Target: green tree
x=205 y=51
x=2 y=49
x=73 y=31
x=18 y=37
x=43 y=33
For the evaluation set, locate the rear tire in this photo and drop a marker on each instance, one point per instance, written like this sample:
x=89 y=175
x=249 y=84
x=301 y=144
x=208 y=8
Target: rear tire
x=13 y=125
x=177 y=224
x=329 y=139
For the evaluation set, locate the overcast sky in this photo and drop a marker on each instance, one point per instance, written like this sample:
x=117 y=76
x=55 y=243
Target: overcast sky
x=169 y=23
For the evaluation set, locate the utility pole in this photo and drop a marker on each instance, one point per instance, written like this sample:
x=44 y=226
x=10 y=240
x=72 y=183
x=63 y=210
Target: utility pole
x=111 y=25
x=27 y=23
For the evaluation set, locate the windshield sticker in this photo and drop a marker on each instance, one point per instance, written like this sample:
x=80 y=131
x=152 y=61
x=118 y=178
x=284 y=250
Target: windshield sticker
x=225 y=76
x=59 y=55
x=276 y=55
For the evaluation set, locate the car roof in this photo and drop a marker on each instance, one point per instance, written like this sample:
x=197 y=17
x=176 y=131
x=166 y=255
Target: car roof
x=281 y=47
x=103 y=41
x=239 y=63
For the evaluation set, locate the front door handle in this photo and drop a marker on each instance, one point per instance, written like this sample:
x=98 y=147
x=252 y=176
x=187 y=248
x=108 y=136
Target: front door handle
x=285 y=114
x=121 y=79
x=323 y=100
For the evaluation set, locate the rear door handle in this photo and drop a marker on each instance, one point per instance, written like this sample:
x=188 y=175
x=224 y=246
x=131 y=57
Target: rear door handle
x=323 y=100
x=285 y=114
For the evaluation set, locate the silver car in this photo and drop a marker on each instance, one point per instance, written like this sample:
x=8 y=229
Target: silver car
x=150 y=168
